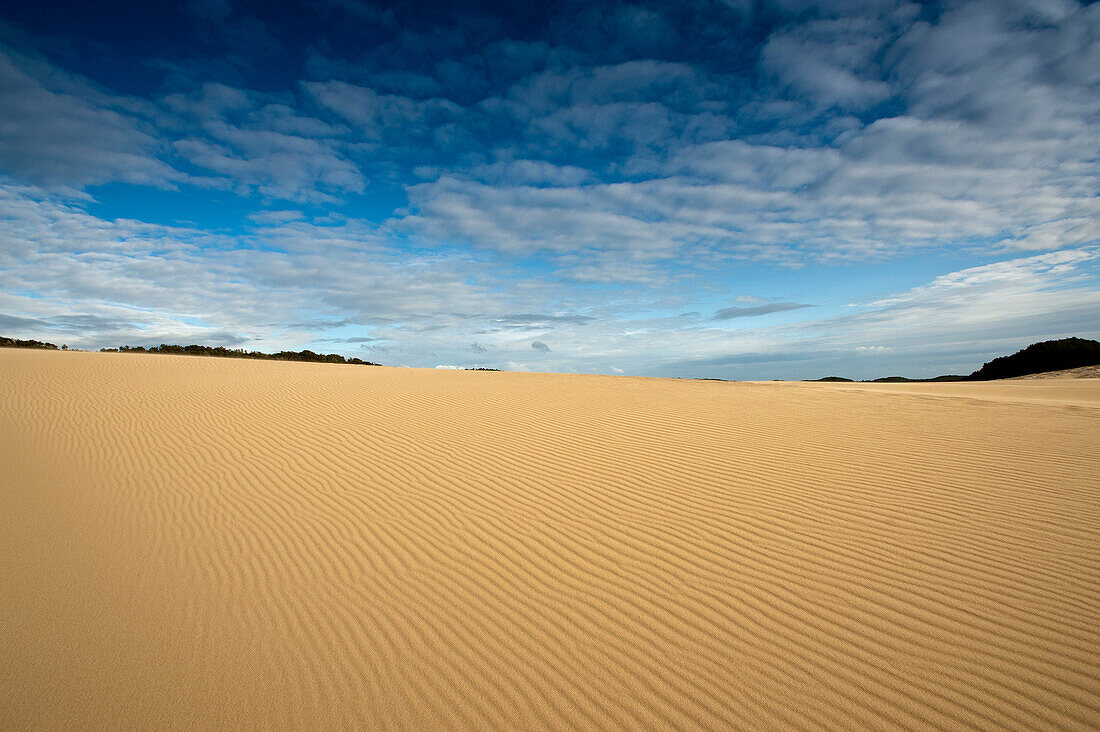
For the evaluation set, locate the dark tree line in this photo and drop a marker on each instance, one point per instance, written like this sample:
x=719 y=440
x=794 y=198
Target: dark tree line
x=222 y=352
x=193 y=350
x=1067 y=353
x=16 y=343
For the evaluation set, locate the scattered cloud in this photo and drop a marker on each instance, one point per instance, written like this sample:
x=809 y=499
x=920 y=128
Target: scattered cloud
x=952 y=324
x=276 y=217
x=103 y=283
x=62 y=132
x=359 y=339
x=753 y=311
x=274 y=164
x=541 y=320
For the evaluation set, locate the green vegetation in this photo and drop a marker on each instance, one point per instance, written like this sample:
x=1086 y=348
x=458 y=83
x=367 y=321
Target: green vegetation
x=1067 y=353
x=221 y=352
x=216 y=351
x=16 y=343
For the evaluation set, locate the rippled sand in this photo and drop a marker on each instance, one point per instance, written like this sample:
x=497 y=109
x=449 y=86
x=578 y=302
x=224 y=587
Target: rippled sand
x=207 y=542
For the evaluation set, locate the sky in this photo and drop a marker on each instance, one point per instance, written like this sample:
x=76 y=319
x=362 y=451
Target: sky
x=742 y=189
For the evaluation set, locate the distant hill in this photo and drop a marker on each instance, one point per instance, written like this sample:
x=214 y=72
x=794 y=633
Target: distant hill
x=892 y=379
x=1059 y=355
x=1067 y=353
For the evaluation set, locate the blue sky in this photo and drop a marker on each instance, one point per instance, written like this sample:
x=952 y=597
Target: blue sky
x=734 y=189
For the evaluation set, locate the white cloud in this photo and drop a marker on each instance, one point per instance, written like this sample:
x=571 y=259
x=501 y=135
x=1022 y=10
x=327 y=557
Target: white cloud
x=157 y=280
x=831 y=62
x=988 y=145
x=58 y=130
x=1024 y=276
x=376 y=115
x=258 y=145
x=753 y=311
x=297 y=285
x=951 y=324
x=276 y=217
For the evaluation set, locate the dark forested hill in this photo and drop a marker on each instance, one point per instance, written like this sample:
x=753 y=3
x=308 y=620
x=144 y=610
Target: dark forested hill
x=1067 y=353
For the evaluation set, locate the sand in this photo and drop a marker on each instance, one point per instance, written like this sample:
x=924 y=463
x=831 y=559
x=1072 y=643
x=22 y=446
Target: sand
x=1081 y=372
x=193 y=542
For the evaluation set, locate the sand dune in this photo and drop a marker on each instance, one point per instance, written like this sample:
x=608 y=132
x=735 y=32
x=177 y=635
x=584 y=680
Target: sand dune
x=1081 y=372
x=218 y=543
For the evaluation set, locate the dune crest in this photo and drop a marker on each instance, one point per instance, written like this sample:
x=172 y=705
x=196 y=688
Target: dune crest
x=218 y=543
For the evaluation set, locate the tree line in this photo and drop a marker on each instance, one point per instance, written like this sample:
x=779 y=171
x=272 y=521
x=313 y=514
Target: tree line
x=6 y=342
x=222 y=352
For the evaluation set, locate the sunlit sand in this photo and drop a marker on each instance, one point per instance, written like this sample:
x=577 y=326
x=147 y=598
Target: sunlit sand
x=218 y=543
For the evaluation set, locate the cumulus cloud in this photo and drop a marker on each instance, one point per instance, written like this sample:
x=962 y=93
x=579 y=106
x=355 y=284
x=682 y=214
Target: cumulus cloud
x=257 y=145
x=276 y=217
x=60 y=131
x=663 y=156
x=160 y=279
x=103 y=283
x=902 y=183
x=831 y=62
x=951 y=159
x=378 y=116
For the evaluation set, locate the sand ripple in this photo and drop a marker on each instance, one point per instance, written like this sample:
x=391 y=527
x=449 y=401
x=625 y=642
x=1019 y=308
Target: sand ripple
x=202 y=542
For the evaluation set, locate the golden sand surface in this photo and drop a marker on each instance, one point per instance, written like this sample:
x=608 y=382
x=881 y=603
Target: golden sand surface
x=214 y=543
x=1081 y=372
